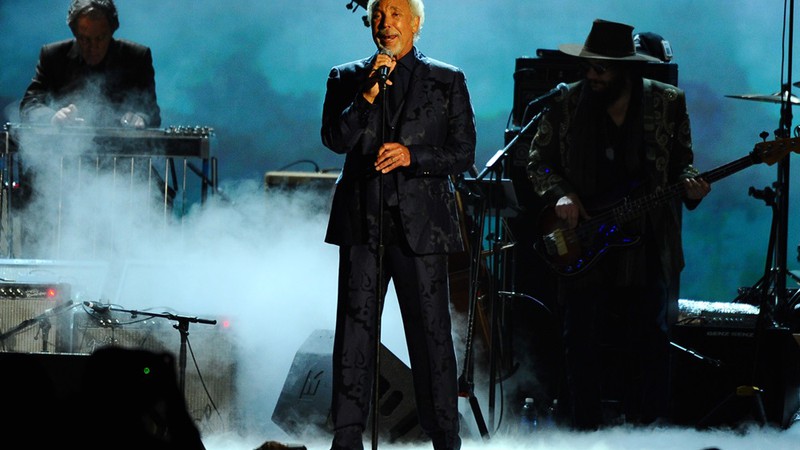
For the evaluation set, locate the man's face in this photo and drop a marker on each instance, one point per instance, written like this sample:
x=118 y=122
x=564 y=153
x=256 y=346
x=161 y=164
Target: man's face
x=93 y=34
x=393 y=26
x=605 y=79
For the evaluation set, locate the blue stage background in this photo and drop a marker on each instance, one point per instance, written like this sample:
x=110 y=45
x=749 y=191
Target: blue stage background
x=255 y=71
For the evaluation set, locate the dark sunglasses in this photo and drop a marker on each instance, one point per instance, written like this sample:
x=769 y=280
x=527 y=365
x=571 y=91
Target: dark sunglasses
x=597 y=67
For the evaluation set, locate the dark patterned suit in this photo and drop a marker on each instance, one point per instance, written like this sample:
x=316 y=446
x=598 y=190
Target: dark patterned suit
x=124 y=81
x=436 y=122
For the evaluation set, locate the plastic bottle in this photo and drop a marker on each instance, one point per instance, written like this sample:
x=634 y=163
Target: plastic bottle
x=528 y=418
x=549 y=421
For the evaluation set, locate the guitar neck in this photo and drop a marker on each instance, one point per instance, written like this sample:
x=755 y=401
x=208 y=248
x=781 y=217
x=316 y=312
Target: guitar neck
x=631 y=208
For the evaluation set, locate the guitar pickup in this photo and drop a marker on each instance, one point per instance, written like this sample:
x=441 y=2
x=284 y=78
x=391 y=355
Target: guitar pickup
x=556 y=243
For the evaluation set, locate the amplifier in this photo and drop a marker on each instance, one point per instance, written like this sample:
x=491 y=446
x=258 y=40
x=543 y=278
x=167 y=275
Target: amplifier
x=41 y=291
x=210 y=376
x=717 y=314
x=292 y=180
x=704 y=391
x=29 y=320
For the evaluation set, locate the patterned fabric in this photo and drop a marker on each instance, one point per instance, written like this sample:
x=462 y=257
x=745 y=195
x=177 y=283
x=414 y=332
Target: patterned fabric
x=667 y=155
x=438 y=127
x=437 y=124
x=421 y=284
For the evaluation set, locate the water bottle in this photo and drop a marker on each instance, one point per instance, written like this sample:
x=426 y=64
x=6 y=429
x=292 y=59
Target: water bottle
x=549 y=421
x=528 y=419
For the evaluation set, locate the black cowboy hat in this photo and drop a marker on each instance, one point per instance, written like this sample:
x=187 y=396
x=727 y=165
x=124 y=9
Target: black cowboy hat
x=608 y=40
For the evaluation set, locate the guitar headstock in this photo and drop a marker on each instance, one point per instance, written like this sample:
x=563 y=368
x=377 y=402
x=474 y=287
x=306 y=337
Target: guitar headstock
x=771 y=152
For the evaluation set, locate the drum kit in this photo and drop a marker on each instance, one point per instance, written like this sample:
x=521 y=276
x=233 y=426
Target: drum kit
x=777 y=274
x=777 y=97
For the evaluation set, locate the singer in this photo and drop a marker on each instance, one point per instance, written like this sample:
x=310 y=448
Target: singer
x=612 y=131
x=425 y=109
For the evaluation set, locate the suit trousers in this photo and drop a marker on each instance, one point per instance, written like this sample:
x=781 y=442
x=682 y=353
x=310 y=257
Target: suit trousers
x=421 y=284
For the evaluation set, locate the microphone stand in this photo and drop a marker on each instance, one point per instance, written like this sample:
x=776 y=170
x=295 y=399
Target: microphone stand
x=466 y=384
x=379 y=278
x=494 y=165
x=182 y=327
x=772 y=302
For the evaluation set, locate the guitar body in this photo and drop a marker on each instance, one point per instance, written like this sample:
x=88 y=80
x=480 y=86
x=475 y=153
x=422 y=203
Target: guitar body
x=570 y=251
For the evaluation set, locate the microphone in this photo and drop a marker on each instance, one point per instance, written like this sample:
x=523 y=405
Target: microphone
x=383 y=71
x=96 y=307
x=557 y=93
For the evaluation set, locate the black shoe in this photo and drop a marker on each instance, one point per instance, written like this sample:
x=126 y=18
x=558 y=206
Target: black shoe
x=348 y=438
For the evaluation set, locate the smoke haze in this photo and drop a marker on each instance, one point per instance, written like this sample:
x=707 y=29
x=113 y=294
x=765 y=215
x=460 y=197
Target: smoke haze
x=254 y=259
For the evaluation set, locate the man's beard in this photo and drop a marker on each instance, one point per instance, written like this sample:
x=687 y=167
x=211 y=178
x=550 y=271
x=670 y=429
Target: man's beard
x=607 y=93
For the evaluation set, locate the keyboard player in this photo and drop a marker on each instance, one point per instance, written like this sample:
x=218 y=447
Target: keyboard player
x=93 y=78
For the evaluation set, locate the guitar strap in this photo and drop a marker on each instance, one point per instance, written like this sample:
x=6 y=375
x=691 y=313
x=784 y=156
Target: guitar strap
x=649 y=125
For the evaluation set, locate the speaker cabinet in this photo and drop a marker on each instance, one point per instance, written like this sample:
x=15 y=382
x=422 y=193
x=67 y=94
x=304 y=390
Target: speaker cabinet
x=304 y=403
x=34 y=317
x=705 y=386
x=210 y=372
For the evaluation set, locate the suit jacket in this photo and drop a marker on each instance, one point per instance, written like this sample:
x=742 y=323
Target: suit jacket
x=557 y=166
x=124 y=81
x=436 y=123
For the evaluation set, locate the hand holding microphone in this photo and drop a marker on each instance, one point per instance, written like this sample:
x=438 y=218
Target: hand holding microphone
x=382 y=66
x=385 y=62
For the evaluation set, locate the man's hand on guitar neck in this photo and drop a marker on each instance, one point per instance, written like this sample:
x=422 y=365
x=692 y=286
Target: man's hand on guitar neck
x=570 y=209
x=696 y=188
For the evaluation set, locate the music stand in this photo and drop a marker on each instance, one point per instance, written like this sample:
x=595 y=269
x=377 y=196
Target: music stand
x=503 y=199
x=497 y=196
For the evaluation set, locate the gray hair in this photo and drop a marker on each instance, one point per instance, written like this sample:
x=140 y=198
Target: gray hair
x=79 y=8
x=417 y=10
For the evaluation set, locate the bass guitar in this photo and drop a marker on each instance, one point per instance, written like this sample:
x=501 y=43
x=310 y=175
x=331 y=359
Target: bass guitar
x=570 y=251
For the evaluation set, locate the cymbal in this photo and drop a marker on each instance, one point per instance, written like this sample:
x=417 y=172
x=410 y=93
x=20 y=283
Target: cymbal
x=773 y=98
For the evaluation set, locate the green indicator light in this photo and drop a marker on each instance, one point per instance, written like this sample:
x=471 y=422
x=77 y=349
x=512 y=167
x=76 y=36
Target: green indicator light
x=147 y=371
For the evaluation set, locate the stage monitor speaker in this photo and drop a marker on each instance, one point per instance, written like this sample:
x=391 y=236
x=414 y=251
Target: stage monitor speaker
x=705 y=390
x=304 y=403
x=210 y=388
